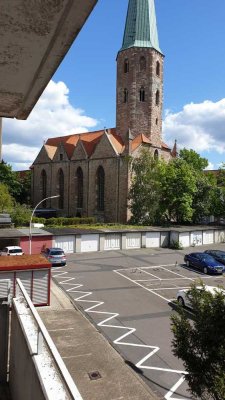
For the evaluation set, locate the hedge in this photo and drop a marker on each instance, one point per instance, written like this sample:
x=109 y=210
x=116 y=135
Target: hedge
x=62 y=221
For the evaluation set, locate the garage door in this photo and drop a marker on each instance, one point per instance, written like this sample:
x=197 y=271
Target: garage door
x=133 y=240
x=89 y=243
x=112 y=242
x=67 y=243
x=152 y=239
x=208 y=237
x=196 y=238
x=184 y=239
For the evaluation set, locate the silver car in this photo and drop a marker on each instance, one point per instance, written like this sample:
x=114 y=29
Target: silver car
x=55 y=256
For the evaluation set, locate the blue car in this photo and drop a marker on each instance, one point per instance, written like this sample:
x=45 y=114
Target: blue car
x=204 y=262
x=219 y=255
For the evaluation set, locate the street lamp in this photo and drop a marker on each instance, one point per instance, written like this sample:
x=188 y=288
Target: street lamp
x=30 y=236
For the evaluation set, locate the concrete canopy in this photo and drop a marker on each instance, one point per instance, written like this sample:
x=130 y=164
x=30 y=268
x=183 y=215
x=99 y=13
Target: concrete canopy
x=35 y=35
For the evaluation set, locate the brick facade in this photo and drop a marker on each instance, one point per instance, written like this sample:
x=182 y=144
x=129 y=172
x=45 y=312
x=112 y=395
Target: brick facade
x=140 y=69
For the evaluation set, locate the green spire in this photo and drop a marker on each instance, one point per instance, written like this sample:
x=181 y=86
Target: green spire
x=141 y=27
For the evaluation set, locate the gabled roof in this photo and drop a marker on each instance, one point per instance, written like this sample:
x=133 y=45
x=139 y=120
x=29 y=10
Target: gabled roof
x=141 y=27
x=138 y=140
x=89 y=141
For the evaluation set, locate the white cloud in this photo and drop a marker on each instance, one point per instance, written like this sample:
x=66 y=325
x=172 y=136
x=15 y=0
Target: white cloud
x=198 y=126
x=52 y=116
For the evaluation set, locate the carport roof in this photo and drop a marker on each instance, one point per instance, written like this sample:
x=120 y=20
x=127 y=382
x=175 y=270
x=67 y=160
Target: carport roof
x=34 y=231
x=71 y=231
x=10 y=233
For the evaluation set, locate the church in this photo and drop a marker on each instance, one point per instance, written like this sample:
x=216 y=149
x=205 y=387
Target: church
x=90 y=171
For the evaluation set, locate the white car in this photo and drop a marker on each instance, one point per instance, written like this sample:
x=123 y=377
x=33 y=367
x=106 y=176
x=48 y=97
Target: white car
x=12 y=251
x=182 y=297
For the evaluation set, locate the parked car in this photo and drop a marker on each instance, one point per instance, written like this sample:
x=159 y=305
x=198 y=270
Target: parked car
x=55 y=256
x=219 y=255
x=12 y=251
x=184 y=301
x=204 y=262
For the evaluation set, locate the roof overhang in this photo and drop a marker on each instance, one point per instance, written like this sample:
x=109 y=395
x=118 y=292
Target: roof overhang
x=35 y=36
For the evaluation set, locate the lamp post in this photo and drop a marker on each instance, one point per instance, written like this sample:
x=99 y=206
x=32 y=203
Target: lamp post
x=46 y=198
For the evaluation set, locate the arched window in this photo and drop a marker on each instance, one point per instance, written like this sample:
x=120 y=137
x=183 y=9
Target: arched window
x=79 y=176
x=126 y=65
x=156 y=121
x=157 y=98
x=125 y=96
x=142 y=94
x=142 y=63
x=43 y=186
x=61 y=188
x=157 y=68
x=156 y=155
x=100 y=188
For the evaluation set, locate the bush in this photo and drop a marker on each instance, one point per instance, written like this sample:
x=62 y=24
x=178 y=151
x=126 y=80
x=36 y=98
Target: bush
x=20 y=215
x=62 y=221
x=176 y=245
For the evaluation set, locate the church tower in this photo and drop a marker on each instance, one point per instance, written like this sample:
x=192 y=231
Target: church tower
x=140 y=75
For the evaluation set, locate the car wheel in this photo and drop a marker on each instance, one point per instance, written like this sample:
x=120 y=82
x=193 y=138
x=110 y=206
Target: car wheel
x=188 y=263
x=205 y=270
x=181 y=301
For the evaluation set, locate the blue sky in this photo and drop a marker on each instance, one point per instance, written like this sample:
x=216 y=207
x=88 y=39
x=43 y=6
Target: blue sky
x=82 y=94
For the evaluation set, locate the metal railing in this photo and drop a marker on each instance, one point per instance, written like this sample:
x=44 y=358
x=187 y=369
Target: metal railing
x=44 y=337
x=5 y=285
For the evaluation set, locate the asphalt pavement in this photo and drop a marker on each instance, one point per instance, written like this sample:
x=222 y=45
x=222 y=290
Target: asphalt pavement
x=99 y=372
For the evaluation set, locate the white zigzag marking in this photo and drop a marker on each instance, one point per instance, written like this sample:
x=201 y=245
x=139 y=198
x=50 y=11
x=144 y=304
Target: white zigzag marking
x=130 y=331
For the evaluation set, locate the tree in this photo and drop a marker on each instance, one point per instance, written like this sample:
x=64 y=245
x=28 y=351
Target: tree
x=201 y=343
x=9 y=178
x=197 y=162
x=19 y=184
x=144 y=194
x=178 y=186
x=6 y=200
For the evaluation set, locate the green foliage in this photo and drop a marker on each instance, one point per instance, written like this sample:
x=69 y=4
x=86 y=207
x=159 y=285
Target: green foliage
x=24 y=196
x=178 y=191
x=144 y=194
x=19 y=186
x=178 y=186
x=9 y=178
x=62 y=221
x=201 y=343
x=6 y=200
x=20 y=215
x=193 y=159
x=176 y=245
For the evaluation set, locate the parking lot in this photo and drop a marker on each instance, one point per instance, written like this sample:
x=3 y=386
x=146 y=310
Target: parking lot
x=129 y=296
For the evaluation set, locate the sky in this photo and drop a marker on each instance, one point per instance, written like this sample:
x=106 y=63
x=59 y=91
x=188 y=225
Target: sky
x=82 y=94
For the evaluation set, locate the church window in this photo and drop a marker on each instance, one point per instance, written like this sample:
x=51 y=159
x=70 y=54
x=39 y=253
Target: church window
x=157 y=68
x=126 y=65
x=157 y=98
x=142 y=64
x=156 y=155
x=142 y=94
x=44 y=186
x=100 y=188
x=61 y=156
x=125 y=96
x=80 y=187
x=61 y=188
x=156 y=121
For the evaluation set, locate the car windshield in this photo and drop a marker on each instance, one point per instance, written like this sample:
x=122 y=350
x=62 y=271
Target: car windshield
x=57 y=253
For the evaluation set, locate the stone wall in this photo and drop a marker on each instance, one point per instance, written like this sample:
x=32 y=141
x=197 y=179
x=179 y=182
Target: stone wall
x=140 y=116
